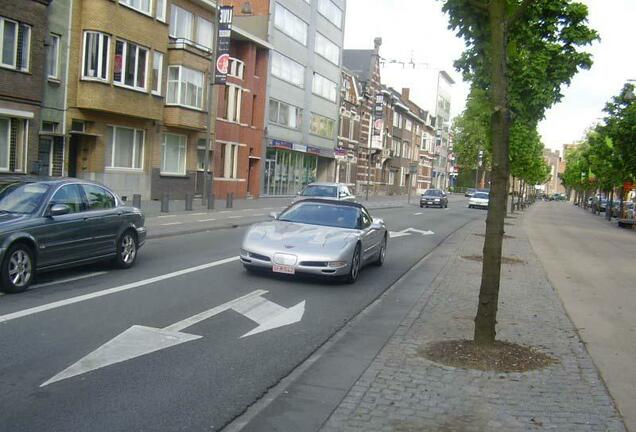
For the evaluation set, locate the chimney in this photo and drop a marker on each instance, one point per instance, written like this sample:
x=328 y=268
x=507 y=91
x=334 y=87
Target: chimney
x=377 y=42
x=406 y=93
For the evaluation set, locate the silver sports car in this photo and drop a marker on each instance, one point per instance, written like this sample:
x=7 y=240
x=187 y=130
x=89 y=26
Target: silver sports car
x=319 y=237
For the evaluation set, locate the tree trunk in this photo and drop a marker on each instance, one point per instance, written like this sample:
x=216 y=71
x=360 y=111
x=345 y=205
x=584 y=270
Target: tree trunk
x=486 y=318
x=609 y=205
x=512 y=197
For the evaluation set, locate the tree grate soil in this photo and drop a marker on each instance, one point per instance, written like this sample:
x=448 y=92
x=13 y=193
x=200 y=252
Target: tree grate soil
x=504 y=259
x=500 y=357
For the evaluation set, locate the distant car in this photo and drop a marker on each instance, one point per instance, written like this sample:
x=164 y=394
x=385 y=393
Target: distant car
x=320 y=237
x=469 y=192
x=332 y=191
x=479 y=200
x=433 y=198
x=57 y=223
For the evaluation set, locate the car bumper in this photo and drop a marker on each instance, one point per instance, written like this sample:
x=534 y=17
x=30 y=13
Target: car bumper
x=477 y=205
x=141 y=236
x=431 y=203
x=299 y=269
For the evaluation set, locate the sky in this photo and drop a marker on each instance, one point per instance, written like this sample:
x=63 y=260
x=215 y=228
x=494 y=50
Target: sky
x=417 y=31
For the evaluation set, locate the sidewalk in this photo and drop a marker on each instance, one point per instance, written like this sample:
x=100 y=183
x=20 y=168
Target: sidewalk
x=396 y=389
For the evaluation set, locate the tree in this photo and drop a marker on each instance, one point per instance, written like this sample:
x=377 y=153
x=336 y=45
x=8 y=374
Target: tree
x=520 y=52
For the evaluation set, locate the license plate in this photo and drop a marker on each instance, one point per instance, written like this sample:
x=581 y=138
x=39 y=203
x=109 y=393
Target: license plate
x=287 y=269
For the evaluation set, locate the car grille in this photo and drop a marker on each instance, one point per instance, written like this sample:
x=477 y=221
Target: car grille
x=313 y=263
x=259 y=257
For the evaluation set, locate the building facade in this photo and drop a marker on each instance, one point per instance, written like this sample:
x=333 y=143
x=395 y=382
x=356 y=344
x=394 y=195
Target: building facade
x=348 y=131
x=23 y=35
x=443 y=165
x=553 y=159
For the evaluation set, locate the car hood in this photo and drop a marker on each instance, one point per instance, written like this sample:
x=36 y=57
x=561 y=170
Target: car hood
x=11 y=220
x=297 y=237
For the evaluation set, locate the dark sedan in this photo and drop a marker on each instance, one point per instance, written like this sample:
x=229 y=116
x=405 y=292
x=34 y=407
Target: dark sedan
x=433 y=197
x=57 y=223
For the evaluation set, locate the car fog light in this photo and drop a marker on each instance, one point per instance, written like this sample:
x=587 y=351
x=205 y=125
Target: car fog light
x=337 y=264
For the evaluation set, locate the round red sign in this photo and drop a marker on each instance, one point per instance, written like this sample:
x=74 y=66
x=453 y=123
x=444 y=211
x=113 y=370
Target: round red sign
x=222 y=63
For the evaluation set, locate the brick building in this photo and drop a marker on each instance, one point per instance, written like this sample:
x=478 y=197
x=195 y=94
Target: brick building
x=23 y=33
x=348 y=131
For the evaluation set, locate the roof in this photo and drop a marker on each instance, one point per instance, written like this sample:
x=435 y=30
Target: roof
x=358 y=61
x=6 y=179
x=330 y=201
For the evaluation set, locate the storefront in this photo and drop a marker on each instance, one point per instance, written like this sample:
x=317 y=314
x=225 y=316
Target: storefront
x=289 y=167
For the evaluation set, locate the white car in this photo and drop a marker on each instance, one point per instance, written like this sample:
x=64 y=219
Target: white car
x=479 y=200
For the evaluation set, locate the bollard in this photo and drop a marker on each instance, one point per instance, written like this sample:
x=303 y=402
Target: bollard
x=137 y=200
x=229 y=200
x=165 y=203
x=211 y=202
x=188 y=202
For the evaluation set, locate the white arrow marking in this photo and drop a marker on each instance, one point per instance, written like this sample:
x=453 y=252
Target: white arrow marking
x=418 y=214
x=407 y=232
x=141 y=340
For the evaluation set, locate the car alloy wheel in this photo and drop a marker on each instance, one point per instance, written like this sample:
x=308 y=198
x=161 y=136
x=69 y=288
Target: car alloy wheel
x=382 y=254
x=18 y=269
x=126 y=250
x=354 y=271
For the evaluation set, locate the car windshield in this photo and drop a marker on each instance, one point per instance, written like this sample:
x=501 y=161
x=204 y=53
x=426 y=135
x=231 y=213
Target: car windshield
x=320 y=191
x=433 y=192
x=332 y=215
x=482 y=195
x=20 y=197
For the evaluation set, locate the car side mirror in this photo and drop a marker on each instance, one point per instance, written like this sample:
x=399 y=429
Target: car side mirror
x=273 y=215
x=377 y=223
x=59 y=210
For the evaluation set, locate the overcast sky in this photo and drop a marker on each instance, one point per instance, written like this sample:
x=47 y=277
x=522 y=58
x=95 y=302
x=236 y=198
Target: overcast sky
x=417 y=30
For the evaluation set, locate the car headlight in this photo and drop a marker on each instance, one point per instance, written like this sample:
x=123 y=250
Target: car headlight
x=244 y=253
x=337 y=264
x=436 y=199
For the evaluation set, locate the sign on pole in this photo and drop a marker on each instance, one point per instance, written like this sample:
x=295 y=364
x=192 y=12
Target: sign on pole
x=222 y=61
x=378 y=114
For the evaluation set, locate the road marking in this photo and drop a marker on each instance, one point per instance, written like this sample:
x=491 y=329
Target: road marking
x=198 y=214
x=258 y=214
x=141 y=340
x=166 y=216
x=407 y=232
x=226 y=211
x=71 y=279
x=206 y=220
x=172 y=223
x=234 y=217
x=418 y=213
x=85 y=297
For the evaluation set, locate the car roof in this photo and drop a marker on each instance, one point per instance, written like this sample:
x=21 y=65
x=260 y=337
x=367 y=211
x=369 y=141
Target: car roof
x=52 y=181
x=326 y=184
x=331 y=201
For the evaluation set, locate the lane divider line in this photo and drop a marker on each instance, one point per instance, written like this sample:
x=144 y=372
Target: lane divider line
x=206 y=220
x=71 y=279
x=85 y=297
x=172 y=223
x=166 y=216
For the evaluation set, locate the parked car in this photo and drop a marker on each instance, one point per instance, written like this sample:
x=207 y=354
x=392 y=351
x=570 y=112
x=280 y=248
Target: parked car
x=332 y=191
x=321 y=237
x=433 y=197
x=469 y=192
x=479 y=200
x=56 y=223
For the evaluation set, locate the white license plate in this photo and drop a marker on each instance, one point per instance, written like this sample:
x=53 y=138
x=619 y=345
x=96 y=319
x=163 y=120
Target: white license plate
x=287 y=269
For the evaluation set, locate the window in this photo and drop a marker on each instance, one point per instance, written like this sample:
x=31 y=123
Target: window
x=181 y=23
x=130 y=65
x=287 y=69
x=53 y=57
x=98 y=197
x=324 y=87
x=408 y=125
x=284 y=114
x=49 y=127
x=142 y=6
x=233 y=96
x=321 y=126
x=327 y=49
x=15 y=42
x=13 y=144
x=173 y=154
x=290 y=24
x=204 y=33
x=229 y=155
x=71 y=196
x=96 y=52
x=185 y=87
x=330 y=11
x=201 y=156
x=160 y=11
x=157 y=72
x=236 y=68
x=124 y=148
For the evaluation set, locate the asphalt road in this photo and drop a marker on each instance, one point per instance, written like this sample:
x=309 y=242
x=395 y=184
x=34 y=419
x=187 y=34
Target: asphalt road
x=210 y=376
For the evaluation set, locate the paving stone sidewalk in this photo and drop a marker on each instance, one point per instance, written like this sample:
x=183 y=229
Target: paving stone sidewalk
x=403 y=392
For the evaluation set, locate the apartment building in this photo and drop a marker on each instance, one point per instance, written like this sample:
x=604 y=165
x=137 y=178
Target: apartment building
x=302 y=89
x=442 y=165
x=23 y=34
x=137 y=99
x=349 y=130
x=364 y=64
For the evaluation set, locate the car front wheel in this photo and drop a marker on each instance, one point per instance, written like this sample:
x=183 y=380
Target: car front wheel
x=126 y=250
x=382 y=254
x=354 y=268
x=18 y=269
